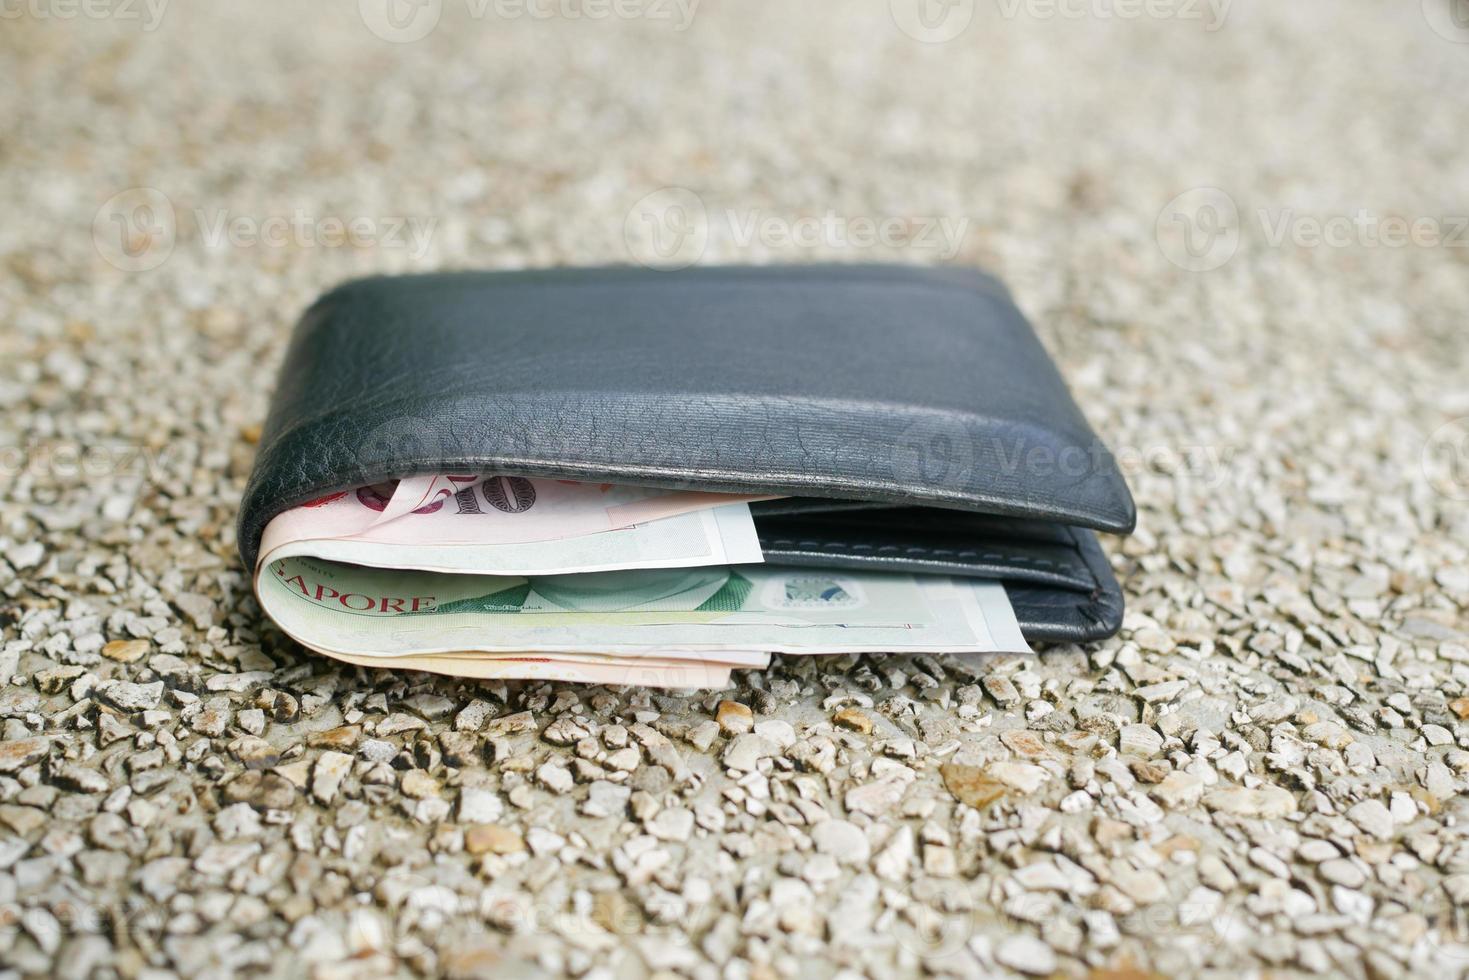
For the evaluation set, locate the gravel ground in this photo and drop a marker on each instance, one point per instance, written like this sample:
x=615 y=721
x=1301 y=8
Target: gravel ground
x=1240 y=230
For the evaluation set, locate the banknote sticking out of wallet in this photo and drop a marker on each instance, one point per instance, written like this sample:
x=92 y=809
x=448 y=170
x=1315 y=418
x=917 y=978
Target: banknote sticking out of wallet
x=626 y=476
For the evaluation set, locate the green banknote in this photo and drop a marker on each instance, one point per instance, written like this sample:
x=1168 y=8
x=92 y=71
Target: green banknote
x=375 y=612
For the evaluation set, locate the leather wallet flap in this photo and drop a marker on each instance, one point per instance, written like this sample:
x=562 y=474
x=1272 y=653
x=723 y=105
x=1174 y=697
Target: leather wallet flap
x=903 y=386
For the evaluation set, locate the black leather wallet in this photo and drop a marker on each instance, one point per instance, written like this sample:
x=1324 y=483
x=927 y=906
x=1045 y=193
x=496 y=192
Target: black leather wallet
x=908 y=417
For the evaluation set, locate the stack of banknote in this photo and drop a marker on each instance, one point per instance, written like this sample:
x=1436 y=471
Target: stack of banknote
x=518 y=577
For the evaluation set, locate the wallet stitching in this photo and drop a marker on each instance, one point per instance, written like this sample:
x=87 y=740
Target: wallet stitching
x=835 y=547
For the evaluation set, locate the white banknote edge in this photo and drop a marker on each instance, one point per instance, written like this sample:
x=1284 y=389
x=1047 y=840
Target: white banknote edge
x=993 y=612
x=734 y=530
x=695 y=674
x=728 y=530
x=733 y=659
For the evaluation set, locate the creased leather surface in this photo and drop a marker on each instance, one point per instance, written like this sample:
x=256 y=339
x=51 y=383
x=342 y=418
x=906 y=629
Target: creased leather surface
x=913 y=388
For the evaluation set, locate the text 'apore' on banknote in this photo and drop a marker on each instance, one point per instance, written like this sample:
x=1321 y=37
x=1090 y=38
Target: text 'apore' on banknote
x=510 y=576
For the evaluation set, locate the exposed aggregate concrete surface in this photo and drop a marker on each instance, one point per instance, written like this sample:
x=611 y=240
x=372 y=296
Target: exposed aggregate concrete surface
x=1239 y=229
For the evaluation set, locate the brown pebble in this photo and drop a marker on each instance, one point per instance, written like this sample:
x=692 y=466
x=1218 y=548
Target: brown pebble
x=1176 y=843
x=17 y=753
x=491 y=838
x=1148 y=772
x=612 y=911
x=125 y=651
x=856 y=720
x=1427 y=799
x=418 y=784
x=262 y=790
x=971 y=785
x=473 y=961
x=734 y=718
x=344 y=737
x=1107 y=832
x=55 y=681
x=1026 y=744
x=1373 y=852
x=255 y=753
x=1123 y=969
